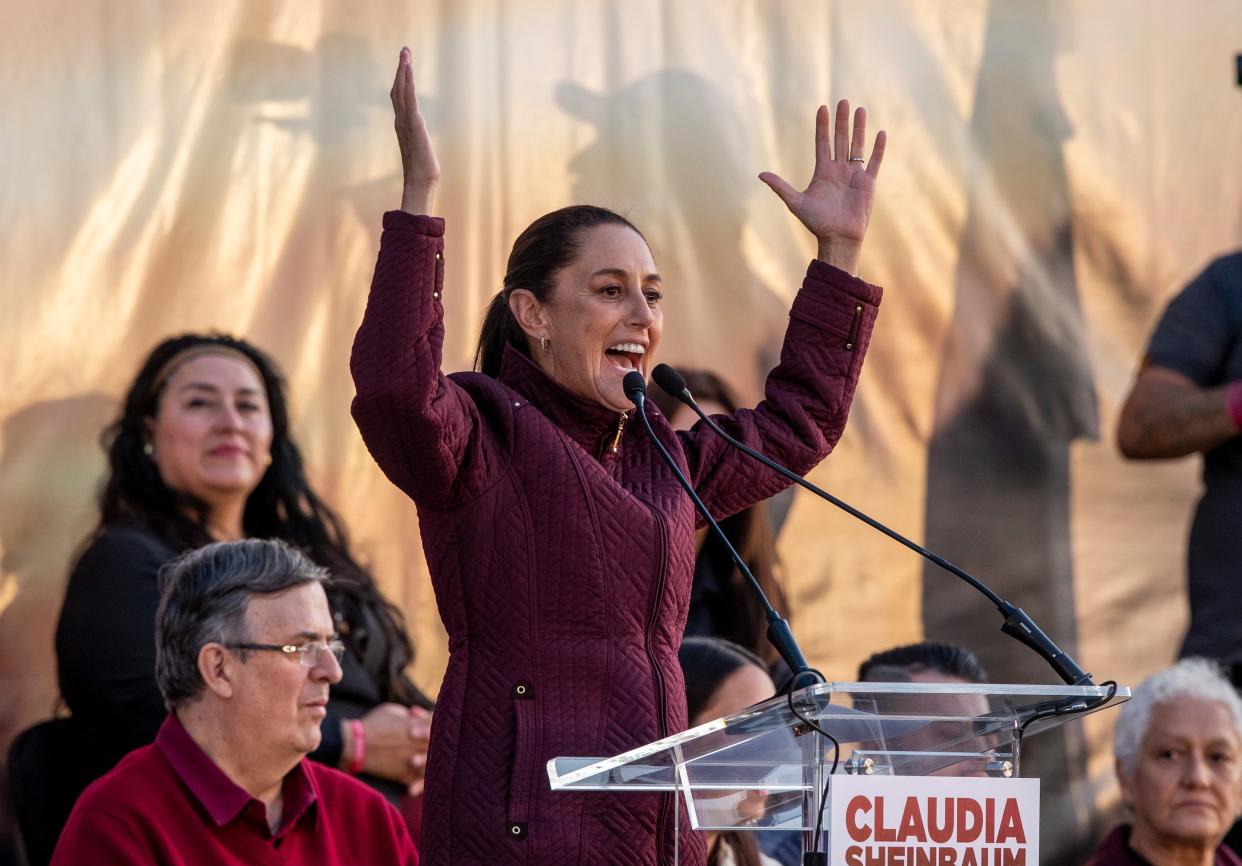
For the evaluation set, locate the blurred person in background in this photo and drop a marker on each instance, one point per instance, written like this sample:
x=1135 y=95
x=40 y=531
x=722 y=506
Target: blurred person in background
x=722 y=602
x=1178 y=747
x=925 y=662
x=723 y=678
x=1187 y=399
x=932 y=663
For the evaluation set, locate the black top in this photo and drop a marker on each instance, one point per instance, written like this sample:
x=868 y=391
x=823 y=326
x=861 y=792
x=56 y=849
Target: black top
x=105 y=651
x=714 y=610
x=1200 y=336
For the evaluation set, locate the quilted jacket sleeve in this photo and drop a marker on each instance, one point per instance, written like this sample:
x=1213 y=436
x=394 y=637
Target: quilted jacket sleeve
x=806 y=399
x=423 y=430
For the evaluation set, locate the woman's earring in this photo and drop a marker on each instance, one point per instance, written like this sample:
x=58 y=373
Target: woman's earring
x=148 y=449
x=543 y=343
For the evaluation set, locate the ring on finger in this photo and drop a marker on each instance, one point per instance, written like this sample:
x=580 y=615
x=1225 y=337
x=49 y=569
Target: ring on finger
x=855 y=159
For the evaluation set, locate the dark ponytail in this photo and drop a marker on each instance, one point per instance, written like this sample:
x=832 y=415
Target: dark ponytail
x=547 y=246
x=499 y=329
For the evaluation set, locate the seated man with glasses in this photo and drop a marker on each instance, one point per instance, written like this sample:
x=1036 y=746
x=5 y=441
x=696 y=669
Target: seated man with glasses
x=245 y=654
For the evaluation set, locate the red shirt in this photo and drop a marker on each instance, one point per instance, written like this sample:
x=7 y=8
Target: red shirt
x=169 y=804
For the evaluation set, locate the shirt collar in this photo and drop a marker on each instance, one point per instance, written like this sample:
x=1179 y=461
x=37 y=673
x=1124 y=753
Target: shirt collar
x=586 y=422
x=223 y=798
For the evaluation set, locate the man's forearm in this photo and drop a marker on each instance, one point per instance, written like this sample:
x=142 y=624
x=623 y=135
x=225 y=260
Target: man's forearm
x=1167 y=415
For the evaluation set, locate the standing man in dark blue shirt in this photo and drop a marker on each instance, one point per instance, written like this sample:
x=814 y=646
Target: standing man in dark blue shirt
x=1187 y=398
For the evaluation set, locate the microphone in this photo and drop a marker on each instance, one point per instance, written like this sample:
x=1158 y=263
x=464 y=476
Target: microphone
x=1018 y=623
x=780 y=635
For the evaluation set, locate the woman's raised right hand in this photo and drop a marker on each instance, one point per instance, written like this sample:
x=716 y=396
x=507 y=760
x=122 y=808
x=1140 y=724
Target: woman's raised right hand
x=419 y=167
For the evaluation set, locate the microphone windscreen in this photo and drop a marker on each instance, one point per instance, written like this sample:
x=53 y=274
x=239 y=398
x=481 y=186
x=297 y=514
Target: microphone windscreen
x=669 y=380
x=634 y=384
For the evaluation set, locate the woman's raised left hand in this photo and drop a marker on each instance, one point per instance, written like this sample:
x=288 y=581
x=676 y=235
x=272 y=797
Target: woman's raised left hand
x=836 y=205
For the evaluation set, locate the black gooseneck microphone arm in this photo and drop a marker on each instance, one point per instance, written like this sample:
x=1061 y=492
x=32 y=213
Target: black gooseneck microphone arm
x=779 y=633
x=1018 y=623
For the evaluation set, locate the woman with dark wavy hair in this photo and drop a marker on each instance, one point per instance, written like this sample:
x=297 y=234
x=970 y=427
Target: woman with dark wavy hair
x=202 y=452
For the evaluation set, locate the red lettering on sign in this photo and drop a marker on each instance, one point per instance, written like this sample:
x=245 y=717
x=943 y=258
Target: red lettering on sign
x=925 y=856
x=912 y=823
x=1011 y=824
x=940 y=829
x=1013 y=858
x=969 y=858
x=989 y=820
x=853 y=856
x=969 y=820
x=944 y=856
x=882 y=833
x=896 y=857
x=858 y=832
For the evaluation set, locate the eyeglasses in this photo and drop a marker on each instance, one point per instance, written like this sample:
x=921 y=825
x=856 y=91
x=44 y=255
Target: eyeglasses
x=309 y=654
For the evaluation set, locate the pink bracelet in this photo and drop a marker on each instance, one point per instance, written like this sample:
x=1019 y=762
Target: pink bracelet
x=1233 y=402
x=360 y=747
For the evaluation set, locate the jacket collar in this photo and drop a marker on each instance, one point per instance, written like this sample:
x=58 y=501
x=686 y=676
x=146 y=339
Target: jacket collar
x=591 y=425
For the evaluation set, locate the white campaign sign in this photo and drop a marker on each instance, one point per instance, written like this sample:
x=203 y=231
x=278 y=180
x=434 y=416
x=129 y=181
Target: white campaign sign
x=933 y=821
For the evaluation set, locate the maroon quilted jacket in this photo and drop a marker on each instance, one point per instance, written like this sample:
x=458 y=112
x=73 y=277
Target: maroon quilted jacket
x=561 y=551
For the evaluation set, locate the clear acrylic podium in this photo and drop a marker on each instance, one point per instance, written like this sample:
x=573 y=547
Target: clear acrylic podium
x=767 y=768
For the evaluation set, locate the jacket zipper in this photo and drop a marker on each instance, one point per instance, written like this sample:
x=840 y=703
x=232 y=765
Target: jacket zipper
x=662 y=560
x=616 y=439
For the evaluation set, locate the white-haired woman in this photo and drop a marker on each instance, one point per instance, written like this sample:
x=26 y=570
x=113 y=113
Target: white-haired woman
x=1179 y=761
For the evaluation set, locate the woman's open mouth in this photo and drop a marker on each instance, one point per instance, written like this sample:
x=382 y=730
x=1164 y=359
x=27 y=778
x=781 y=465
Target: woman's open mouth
x=626 y=356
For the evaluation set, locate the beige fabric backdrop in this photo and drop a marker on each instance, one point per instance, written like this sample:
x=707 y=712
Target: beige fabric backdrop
x=171 y=166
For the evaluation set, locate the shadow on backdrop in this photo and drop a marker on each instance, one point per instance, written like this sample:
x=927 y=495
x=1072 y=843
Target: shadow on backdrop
x=326 y=95
x=673 y=154
x=1015 y=391
x=50 y=467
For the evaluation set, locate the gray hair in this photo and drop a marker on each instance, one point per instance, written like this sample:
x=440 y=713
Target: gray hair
x=1189 y=678
x=203 y=599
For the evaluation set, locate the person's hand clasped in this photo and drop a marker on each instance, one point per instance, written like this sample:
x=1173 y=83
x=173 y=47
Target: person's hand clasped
x=419 y=167
x=420 y=738
x=396 y=744
x=836 y=204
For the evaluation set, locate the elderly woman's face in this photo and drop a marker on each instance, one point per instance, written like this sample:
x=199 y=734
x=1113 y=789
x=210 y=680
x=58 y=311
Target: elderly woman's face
x=603 y=317
x=212 y=431
x=1187 y=785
